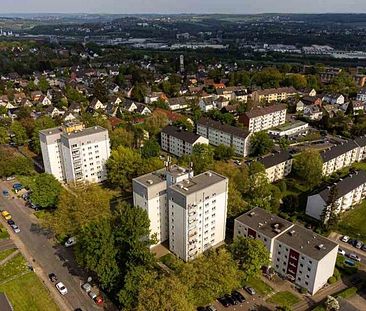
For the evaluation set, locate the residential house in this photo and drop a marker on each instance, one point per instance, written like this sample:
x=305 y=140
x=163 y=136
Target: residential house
x=361 y=95
x=54 y=111
x=95 y=105
x=44 y=101
x=260 y=119
x=349 y=192
x=222 y=134
x=277 y=165
x=207 y=103
x=154 y=97
x=36 y=96
x=240 y=96
x=313 y=112
x=297 y=254
x=177 y=103
x=334 y=99
x=271 y=95
x=180 y=142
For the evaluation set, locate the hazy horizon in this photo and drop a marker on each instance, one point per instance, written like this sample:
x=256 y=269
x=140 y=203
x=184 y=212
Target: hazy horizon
x=181 y=7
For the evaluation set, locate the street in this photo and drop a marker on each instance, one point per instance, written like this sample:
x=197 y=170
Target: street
x=348 y=248
x=39 y=250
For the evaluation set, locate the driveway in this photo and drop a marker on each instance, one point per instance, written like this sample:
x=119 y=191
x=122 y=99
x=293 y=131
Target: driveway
x=34 y=243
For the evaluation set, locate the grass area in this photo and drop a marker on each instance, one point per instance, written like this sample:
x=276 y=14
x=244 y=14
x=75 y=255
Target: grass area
x=6 y=253
x=3 y=233
x=359 y=166
x=23 y=288
x=319 y=308
x=353 y=222
x=27 y=293
x=345 y=269
x=259 y=286
x=168 y=260
x=284 y=299
x=348 y=293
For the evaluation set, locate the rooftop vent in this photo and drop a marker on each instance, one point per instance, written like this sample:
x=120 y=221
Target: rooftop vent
x=149 y=181
x=260 y=224
x=276 y=226
x=277 y=230
x=292 y=232
x=209 y=174
x=320 y=246
x=185 y=189
x=251 y=214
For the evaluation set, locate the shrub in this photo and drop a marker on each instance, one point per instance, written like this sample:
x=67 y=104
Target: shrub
x=332 y=280
x=337 y=274
x=347 y=293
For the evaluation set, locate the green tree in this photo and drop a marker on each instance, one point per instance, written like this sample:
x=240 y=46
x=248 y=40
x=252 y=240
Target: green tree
x=284 y=143
x=13 y=163
x=122 y=167
x=251 y=255
x=298 y=81
x=308 y=166
x=150 y=149
x=100 y=91
x=78 y=207
x=20 y=135
x=330 y=214
x=164 y=293
x=42 y=123
x=121 y=137
x=96 y=251
x=260 y=144
x=155 y=123
x=4 y=136
x=202 y=157
x=184 y=124
x=45 y=190
x=139 y=92
x=43 y=84
x=223 y=152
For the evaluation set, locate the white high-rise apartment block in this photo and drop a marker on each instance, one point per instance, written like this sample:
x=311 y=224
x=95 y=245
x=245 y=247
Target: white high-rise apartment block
x=150 y=193
x=299 y=254
x=188 y=211
x=73 y=153
x=197 y=214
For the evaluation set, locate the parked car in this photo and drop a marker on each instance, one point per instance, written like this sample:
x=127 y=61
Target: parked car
x=11 y=222
x=6 y=215
x=351 y=241
x=87 y=287
x=70 y=242
x=10 y=178
x=15 y=228
x=349 y=262
x=6 y=193
x=250 y=290
x=61 y=288
x=224 y=302
x=358 y=244
x=99 y=300
x=92 y=295
x=341 y=252
x=238 y=296
x=211 y=308
x=345 y=238
x=364 y=247
x=17 y=187
x=354 y=257
x=52 y=277
x=231 y=300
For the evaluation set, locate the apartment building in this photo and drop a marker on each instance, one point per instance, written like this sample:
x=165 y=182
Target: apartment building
x=361 y=143
x=73 y=153
x=271 y=95
x=150 y=193
x=197 y=214
x=288 y=130
x=277 y=165
x=361 y=95
x=339 y=156
x=180 y=142
x=218 y=133
x=260 y=119
x=299 y=254
x=350 y=191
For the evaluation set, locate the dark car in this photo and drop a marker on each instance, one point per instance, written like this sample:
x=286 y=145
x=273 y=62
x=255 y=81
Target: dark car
x=78 y=309
x=52 y=277
x=231 y=300
x=351 y=241
x=11 y=222
x=224 y=302
x=201 y=309
x=238 y=296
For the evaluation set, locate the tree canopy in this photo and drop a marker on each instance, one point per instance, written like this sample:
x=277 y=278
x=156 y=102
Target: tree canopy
x=260 y=144
x=308 y=166
x=45 y=190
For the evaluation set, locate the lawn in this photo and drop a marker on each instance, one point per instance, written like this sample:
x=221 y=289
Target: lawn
x=284 y=299
x=6 y=253
x=359 y=166
x=353 y=222
x=27 y=293
x=3 y=233
x=259 y=286
x=23 y=288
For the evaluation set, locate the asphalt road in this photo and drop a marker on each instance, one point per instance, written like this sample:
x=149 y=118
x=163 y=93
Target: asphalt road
x=348 y=248
x=46 y=255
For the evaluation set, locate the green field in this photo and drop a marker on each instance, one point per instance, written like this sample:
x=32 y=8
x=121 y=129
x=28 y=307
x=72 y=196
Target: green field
x=23 y=288
x=6 y=253
x=353 y=223
x=3 y=233
x=284 y=299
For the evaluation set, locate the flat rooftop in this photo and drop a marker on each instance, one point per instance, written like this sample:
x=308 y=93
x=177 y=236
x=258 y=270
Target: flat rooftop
x=264 y=222
x=307 y=242
x=84 y=132
x=289 y=126
x=159 y=176
x=197 y=183
x=51 y=131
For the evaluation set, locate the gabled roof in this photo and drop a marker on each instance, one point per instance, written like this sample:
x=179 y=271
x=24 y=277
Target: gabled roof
x=236 y=131
x=184 y=135
x=338 y=150
x=345 y=185
x=361 y=141
x=275 y=159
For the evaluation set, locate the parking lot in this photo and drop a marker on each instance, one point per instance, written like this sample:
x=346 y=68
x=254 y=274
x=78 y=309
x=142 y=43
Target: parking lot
x=348 y=248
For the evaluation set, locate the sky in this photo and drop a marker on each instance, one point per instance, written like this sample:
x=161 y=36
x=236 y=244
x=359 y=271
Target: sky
x=183 y=6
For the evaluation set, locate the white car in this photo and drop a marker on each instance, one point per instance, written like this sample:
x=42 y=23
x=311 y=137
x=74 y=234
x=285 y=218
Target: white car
x=341 y=252
x=70 y=242
x=61 y=288
x=15 y=228
x=354 y=257
x=345 y=238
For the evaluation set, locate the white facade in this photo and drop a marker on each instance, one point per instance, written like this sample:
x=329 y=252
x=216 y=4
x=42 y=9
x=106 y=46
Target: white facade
x=220 y=134
x=76 y=156
x=279 y=171
x=290 y=130
x=300 y=255
x=197 y=214
x=361 y=96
